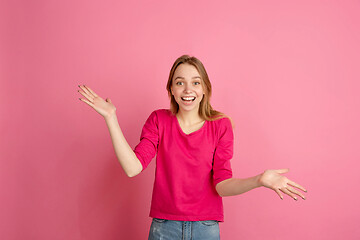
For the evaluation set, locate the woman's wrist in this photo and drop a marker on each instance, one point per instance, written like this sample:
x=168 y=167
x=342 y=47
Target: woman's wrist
x=258 y=180
x=110 y=116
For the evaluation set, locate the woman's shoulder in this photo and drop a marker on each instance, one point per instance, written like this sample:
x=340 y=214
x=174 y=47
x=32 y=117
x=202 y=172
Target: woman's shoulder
x=222 y=121
x=161 y=113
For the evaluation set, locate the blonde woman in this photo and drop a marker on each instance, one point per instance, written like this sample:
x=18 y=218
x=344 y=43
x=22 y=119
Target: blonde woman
x=193 y=144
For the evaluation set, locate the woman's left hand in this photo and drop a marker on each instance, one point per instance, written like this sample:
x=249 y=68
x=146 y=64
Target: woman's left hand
x=273 y=180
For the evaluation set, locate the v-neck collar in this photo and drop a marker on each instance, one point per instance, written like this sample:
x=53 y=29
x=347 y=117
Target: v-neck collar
x=192 y=133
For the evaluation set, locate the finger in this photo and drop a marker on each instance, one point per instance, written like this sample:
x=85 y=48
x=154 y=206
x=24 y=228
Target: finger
x=284 y=170
x=91 y=91
x=284 y=190
x=296 y=185
x=278 y=192
x=86 y=95
x=295 y=191
x=86 y=101
x=86 y=91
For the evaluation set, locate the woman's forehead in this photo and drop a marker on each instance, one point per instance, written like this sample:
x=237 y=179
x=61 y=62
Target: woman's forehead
x=186 y=69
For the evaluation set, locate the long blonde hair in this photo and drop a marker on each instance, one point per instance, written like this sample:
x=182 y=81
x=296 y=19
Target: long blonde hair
x=206 y=111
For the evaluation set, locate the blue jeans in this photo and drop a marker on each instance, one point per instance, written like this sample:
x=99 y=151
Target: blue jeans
x=162 y=229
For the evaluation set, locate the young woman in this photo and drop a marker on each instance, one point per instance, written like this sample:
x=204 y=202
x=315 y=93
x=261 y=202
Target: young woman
x=193 y=144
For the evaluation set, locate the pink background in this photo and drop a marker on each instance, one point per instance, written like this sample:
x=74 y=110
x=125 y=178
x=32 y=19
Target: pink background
x=287 y=73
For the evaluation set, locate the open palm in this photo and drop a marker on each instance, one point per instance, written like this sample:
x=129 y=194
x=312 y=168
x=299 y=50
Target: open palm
x=104 y=108
x=273 y=180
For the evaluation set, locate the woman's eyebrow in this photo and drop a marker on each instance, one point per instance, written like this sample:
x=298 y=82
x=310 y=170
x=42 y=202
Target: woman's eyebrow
x=183 y=77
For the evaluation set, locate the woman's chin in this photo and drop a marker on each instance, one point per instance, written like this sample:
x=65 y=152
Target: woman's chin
x=189 y=107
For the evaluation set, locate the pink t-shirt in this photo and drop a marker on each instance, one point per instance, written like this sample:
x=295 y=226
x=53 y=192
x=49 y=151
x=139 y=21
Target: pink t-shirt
x=188 y=166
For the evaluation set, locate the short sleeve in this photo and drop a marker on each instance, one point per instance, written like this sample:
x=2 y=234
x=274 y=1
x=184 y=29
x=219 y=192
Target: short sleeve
x=149 y=139
x=223 y=152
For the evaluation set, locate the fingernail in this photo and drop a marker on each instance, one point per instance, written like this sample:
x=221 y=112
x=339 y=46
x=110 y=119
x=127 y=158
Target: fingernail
x=295 y=199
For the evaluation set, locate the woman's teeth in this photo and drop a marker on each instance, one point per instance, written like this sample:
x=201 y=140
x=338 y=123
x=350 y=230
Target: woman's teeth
x=188 y=99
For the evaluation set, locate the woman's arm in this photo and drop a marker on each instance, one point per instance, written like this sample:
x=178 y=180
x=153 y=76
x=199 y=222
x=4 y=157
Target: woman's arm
x=126 y=156
x=269 y=178
x=236 y=186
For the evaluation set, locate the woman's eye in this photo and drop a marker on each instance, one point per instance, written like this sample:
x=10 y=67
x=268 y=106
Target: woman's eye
x=178 y=83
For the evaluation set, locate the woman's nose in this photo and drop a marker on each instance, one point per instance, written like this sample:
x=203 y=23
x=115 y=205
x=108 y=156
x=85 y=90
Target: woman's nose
x=188 y=87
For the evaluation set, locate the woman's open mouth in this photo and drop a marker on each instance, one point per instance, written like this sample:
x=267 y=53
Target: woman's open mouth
x=188 y=99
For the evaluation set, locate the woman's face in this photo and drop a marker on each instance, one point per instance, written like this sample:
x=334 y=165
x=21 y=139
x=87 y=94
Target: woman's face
x=187 y=82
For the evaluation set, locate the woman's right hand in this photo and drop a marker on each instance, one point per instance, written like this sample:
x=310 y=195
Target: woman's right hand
x=104 y=108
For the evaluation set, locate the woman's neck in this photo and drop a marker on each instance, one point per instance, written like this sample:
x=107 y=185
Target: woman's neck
x=189 y=118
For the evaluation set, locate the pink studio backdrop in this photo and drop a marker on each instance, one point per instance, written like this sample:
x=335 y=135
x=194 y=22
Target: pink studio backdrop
x=286 y=72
